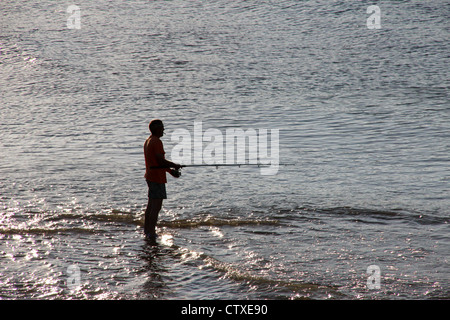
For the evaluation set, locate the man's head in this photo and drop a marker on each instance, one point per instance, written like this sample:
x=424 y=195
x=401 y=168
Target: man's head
x=156 y=127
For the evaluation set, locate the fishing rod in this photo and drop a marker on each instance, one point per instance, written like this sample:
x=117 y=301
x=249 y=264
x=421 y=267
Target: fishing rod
x=233 y=165
x=217 y=165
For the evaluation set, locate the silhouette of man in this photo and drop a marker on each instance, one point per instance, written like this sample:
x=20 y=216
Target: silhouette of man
x=156 y=167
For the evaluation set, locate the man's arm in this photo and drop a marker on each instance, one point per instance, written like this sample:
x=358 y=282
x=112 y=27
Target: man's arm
x=163 y=162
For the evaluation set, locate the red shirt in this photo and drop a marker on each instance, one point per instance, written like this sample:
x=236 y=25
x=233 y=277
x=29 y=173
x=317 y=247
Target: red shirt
x=153 y=146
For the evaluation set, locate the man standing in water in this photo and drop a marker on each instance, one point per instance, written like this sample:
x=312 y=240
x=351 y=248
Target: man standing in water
x=156 y=177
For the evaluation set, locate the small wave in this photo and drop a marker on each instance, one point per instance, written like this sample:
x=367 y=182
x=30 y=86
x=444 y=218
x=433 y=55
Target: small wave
x=110 y=216
x=360 y=212
x=380 y=216
x=298 y=287
x=60 y=221
x=138 y=219
x=235 y=273
x=44 y=231
x=214 y=222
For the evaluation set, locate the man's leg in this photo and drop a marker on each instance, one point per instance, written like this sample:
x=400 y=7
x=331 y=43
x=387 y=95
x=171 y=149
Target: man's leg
x=151 y=215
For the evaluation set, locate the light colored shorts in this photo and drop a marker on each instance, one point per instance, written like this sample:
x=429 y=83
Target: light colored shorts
x=156 y=190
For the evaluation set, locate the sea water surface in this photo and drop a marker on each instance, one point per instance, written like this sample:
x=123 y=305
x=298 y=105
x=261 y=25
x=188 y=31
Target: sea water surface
x=363 y=114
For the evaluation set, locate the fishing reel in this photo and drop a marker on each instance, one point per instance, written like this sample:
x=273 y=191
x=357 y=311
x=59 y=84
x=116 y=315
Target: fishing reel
x=175 y=172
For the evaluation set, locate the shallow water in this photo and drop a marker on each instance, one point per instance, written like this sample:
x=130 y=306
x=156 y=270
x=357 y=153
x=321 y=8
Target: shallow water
x=363 y=114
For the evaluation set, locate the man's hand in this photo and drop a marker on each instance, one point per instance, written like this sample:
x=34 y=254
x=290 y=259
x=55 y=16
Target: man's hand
x=177 y=166
x=175 y=173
